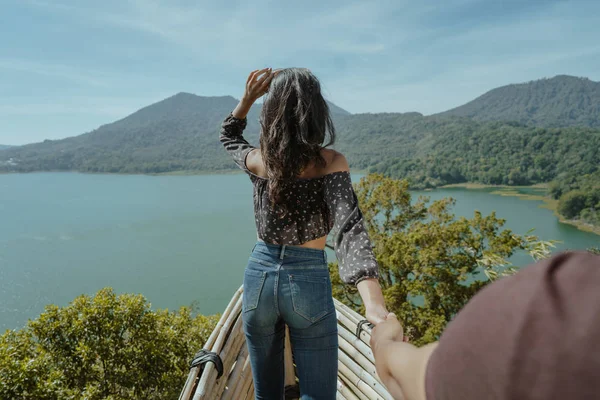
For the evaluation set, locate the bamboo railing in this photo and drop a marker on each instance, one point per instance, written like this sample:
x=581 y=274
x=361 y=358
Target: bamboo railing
x=357 y=377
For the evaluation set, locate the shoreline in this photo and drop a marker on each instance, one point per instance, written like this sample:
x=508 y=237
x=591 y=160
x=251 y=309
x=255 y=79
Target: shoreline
x=501 y=190
x=547 y=202
x=170 y=173
x=484 y=186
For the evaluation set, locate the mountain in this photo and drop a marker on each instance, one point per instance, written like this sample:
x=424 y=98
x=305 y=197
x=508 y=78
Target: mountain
x=336 y=111
x=4 y=147
x=181 y=134
x=556 y=102
x=462 y=145
x=178 y=133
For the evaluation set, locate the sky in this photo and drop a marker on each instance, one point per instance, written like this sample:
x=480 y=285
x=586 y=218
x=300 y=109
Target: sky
x=69 y=66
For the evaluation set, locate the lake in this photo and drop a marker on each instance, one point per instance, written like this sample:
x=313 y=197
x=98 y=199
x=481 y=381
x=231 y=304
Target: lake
x=175 y=239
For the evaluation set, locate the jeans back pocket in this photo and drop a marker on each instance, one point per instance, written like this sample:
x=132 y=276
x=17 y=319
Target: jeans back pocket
x=311 y=296
x=253 y=284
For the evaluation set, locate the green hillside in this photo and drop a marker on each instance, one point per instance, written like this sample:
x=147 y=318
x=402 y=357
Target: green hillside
x=560 y=101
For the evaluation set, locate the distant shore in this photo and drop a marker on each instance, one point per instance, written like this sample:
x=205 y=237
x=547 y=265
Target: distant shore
x=502 y=190
x=169 y=173
x=547 y=202
x=483 y=186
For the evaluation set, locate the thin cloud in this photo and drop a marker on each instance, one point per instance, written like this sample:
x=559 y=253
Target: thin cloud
x=44 y=109
x=396 y=55
x=65 y=72
x=114 y=107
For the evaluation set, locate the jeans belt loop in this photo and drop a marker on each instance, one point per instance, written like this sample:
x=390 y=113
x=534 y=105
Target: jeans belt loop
x=282 y=252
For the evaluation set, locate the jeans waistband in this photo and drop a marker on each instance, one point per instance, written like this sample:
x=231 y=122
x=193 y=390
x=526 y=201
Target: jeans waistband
x=282 y=250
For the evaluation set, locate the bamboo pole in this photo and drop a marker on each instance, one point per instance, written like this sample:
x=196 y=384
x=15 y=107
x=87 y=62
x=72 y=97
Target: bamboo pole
x=365 y=382
x=207 y=378
x=233 y=381
x=365 y=335
x=191 y=382
x=345 y=390
x=250 y=393
x=290 y=372
x=361 y=360
x=358 y=393
x=248 y=389
x=347 y=311
x=358 y=344
x=245 y=380
x=228 y=355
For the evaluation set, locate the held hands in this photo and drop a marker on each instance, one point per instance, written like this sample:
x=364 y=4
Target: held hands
x=258 y=83
x=389 y=330
x=376 y=313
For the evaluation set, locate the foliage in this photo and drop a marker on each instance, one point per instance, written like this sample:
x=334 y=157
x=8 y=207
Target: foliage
x=493 y=153
x=578 y=196
x=180 y=134
x=431 y=263
x=105 y=347
x=560 y=101
x=572 y=203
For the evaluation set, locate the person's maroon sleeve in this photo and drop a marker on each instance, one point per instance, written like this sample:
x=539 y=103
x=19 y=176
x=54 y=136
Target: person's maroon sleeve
x=534 y=335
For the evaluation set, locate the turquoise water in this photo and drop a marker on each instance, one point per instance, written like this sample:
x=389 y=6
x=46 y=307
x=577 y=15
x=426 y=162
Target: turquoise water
x=175 y=239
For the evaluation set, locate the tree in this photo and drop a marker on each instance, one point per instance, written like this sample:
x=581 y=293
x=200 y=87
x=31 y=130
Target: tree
x=431 y=263
x=105 y=347
x=572 y=203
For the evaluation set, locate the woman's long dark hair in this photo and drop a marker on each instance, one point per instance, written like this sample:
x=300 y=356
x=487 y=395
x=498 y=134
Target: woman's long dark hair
x=295 y=122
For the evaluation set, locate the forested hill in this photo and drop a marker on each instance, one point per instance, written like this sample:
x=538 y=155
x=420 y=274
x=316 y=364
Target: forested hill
x=181 y=134
x=178 y=133
x=560 y=101
x=4 y=147
x=434 y=151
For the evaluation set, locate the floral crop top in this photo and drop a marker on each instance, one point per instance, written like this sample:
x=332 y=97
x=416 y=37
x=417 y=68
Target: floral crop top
x=324 y=204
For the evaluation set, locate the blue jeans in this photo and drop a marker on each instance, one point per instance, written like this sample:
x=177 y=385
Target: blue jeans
x=290 y=285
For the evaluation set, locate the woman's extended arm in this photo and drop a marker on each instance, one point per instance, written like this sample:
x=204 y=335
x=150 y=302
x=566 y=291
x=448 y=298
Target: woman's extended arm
x=373 y=300
x=351 y=241
x=232 y=128
x=256 y=86
x=400 y=365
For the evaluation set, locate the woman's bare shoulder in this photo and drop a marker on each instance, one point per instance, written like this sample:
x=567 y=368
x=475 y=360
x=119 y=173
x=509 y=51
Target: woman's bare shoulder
x=335 y=160
x=255 y=163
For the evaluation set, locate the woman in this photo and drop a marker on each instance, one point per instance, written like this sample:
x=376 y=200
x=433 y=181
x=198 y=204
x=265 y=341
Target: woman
x=531 y=336
x=302 y=191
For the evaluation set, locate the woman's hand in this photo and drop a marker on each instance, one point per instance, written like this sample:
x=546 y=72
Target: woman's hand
x=258 y=83
x=372 y=297
x=376 y=313
x=389 y=330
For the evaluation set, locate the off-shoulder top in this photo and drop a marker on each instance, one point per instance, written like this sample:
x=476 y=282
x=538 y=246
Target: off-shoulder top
x=323 y=204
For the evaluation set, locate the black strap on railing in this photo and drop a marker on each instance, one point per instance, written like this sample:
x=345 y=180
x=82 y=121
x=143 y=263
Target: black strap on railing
x=204 y=356
x=360 y=327
x=292 y=392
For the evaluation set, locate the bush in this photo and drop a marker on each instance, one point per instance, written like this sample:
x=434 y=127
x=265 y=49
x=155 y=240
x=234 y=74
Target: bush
x=572 y=203
x=105 y=347
x=431 y=263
